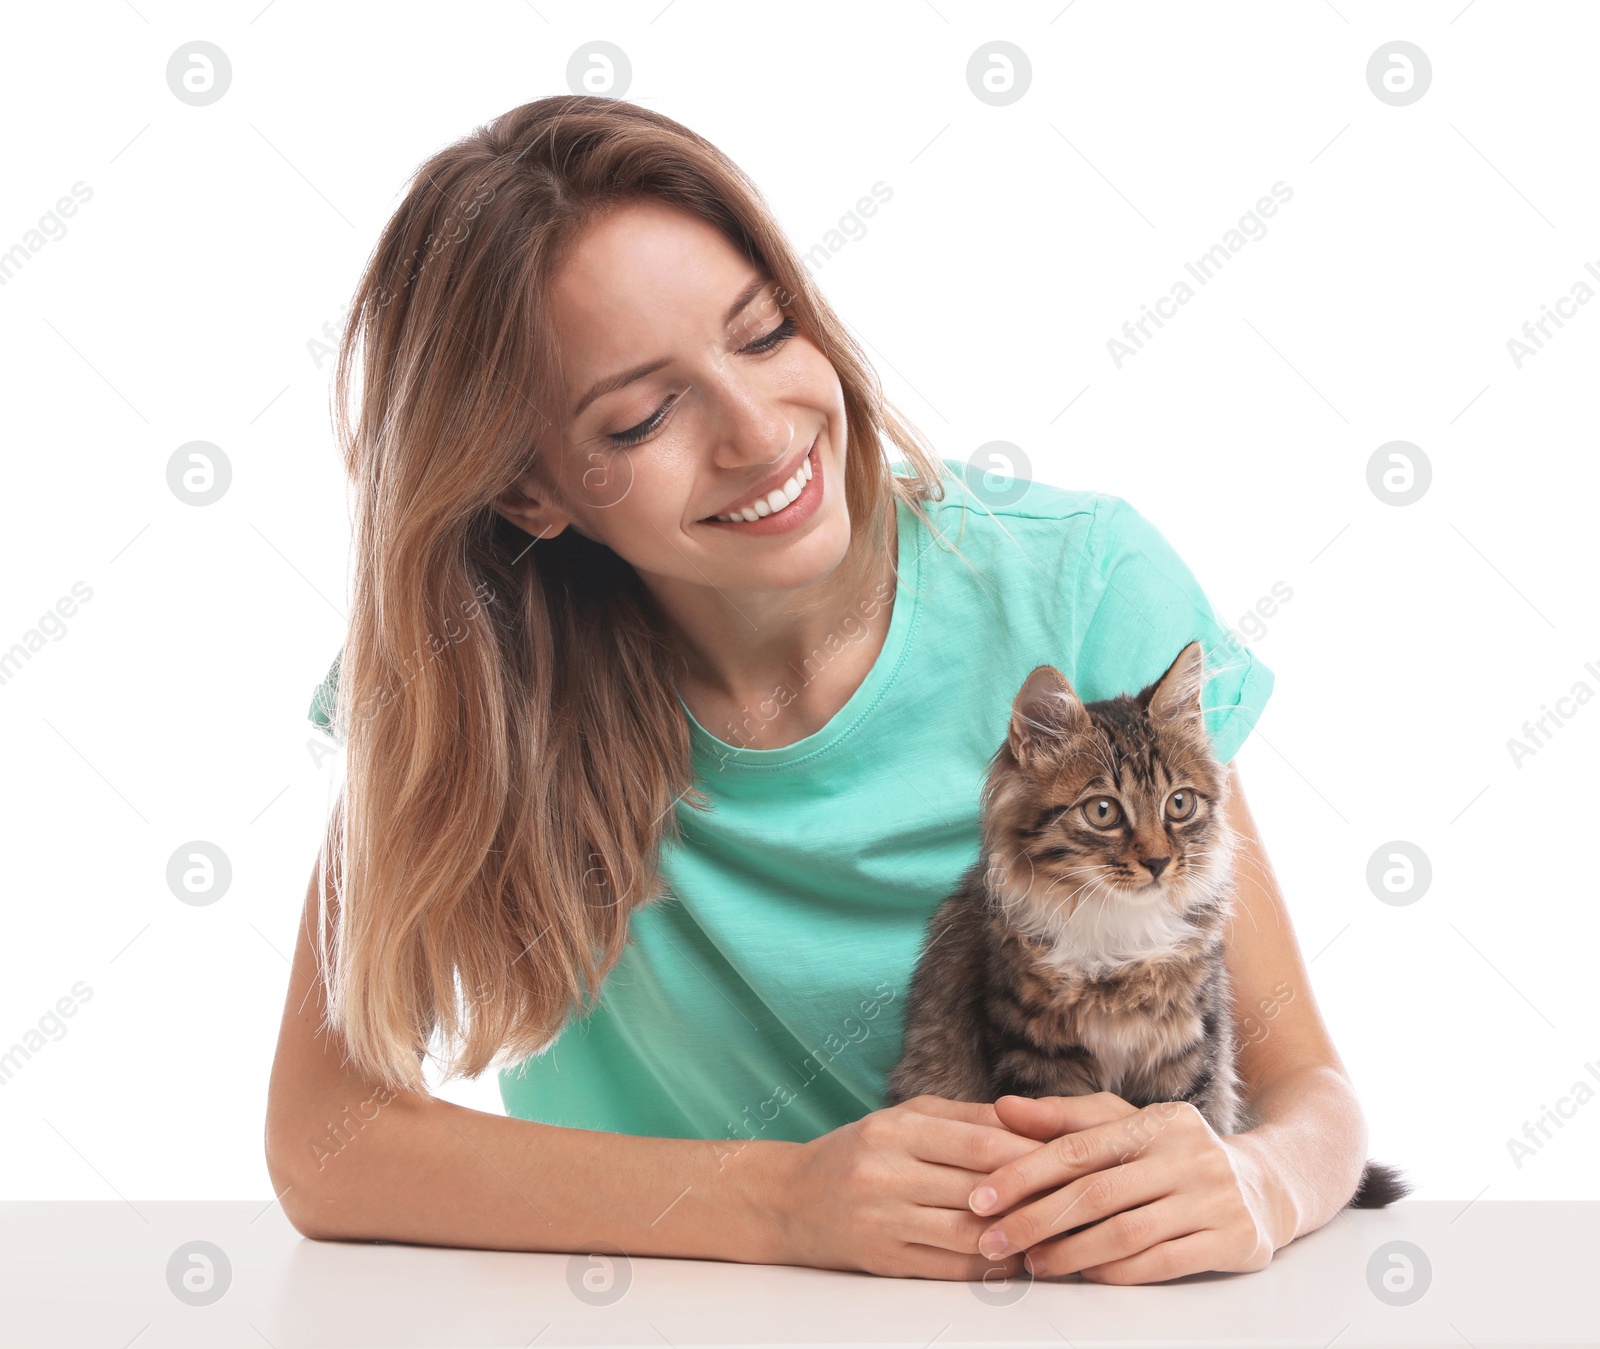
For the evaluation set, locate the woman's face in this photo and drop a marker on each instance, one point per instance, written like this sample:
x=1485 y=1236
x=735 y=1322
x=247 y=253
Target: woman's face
x=689 y=392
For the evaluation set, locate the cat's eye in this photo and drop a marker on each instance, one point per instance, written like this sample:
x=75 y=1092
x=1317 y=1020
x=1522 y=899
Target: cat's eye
x=1102 y=812
x=1181 y=804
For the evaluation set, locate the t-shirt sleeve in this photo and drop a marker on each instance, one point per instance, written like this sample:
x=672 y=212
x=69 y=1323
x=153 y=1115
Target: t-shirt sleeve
x=1144 y=607
x=322 y=700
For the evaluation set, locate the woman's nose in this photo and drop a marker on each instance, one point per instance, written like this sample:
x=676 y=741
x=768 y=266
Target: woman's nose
x=750 y=430
x=755 y=440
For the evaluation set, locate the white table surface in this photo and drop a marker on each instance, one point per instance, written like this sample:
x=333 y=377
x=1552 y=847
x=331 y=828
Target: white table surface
x=98 y=1274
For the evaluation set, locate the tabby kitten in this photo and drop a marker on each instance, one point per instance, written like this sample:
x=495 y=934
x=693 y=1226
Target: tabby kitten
x=1083 y=951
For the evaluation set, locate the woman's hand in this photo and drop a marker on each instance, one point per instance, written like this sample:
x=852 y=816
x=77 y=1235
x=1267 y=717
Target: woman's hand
x=887 y=1193
x=1166 y=1194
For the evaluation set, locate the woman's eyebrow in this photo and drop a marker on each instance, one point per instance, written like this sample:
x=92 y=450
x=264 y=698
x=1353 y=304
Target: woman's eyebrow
x=618 y=381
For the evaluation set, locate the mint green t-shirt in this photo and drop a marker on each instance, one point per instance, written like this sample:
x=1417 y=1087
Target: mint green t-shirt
x=762 y=997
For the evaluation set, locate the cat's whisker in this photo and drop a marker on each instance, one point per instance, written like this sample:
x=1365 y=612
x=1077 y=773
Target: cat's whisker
x=1098 y=866
x=1099 y=913
x=1052 y=917
x=1241 y=862
x=1071 y=871
x=1088 y=885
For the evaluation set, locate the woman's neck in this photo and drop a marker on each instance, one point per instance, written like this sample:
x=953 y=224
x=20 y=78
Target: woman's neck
x=762 y=676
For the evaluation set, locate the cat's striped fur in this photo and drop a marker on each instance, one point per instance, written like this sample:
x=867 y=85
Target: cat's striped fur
x=1077 y=955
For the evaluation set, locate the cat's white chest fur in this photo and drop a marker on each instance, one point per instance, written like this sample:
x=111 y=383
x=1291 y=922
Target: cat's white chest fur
x=1100 y=936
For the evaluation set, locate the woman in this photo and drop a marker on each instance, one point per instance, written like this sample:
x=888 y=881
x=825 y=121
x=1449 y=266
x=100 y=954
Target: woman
x=600 y=732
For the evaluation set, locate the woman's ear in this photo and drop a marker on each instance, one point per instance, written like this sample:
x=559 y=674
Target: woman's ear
x=528 y=506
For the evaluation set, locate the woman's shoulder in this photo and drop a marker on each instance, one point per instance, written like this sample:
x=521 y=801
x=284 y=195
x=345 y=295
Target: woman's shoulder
x=1029 y=520
x=995 y=485
x=1077 y=551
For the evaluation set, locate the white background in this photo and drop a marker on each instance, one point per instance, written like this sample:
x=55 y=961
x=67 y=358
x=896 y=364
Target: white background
x=183 y=298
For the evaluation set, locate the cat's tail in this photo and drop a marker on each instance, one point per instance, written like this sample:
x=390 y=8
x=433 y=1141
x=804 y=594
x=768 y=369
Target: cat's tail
x=1380 y=1186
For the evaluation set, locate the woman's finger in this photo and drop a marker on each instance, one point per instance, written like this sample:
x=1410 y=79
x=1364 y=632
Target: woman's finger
x=1044 y=1117
x=950 y=1229
x=930 y=1262
x=974 y=1112
x=941 y=1187
x=1085 y=1200
x=1193 y=1254
x=1070 y=1156
x=972 y=1146
x=1121 y=1236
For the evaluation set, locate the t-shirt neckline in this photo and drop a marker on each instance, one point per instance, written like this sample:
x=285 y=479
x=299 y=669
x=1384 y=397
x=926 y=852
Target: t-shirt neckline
x=718 y=753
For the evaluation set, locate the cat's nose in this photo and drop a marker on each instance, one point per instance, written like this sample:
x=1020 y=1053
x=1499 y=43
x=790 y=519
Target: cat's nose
x=1156 y=865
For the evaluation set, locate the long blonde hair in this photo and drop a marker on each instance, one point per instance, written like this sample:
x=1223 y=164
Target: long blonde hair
x=516 y=748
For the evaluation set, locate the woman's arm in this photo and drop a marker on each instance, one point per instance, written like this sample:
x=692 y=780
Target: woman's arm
x=350 y=1161
x=1178 y=1199
x=1310 y=1136
x=884 y=1194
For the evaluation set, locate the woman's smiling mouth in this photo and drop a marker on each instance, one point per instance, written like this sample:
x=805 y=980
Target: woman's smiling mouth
x=783 y=505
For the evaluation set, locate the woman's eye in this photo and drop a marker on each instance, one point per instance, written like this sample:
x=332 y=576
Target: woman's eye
x=777 y=337
x=1102 y=812
x=1181 y=804
x=644 y=429
x=771 y=342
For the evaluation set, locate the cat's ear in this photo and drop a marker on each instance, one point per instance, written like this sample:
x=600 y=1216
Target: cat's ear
x=1175 y=696
x=1044 y=712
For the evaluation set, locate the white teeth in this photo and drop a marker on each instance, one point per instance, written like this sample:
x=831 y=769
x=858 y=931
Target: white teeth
x=777 y=498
